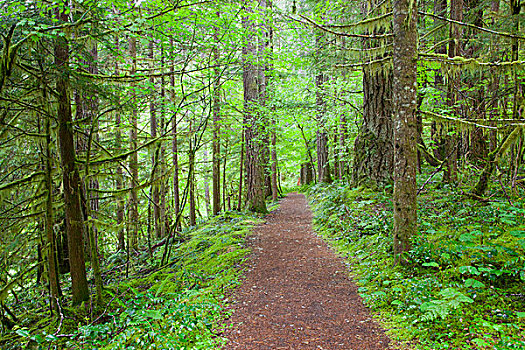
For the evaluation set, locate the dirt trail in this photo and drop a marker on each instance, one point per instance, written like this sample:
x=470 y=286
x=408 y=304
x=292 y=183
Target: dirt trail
x=296 y=294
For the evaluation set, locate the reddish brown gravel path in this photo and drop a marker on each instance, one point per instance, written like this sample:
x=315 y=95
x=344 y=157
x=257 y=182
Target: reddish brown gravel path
x=296 y=294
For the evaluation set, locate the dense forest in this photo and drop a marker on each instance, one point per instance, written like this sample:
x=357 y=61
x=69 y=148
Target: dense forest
x=141 y=141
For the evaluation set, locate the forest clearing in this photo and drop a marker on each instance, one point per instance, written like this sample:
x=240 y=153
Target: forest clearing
x=262 y=174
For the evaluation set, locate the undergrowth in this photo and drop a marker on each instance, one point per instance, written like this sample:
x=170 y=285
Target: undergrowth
x=178 y=306
x=464 y=286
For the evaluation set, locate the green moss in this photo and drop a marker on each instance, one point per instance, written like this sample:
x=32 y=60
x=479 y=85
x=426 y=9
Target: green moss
x=177 y=306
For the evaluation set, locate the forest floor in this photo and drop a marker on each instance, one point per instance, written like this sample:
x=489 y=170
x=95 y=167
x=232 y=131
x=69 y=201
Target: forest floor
x=296 y=293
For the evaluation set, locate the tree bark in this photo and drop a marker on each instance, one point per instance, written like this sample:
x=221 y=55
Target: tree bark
x=155 y=193
x=174 y=145
x=373 y=148
x=133 y=215
x=241 y=169
x=164 y=222
x=343 y=130
x=323 y=167
x=269 y=81
x=71 y=178
x=254 y=128
x=275 y=190
x=405 y=124
x=216 y=146
x=206 y=183
x=191 y=181
x=90 y=184
x=454 y=49
x=120 y=176
x=54 y=283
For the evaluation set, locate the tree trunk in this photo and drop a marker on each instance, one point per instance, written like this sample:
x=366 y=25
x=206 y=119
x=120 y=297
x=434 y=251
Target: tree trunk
x=254 y=130
x=191 y=181
x=71 y=178
x=224 y=165
x=275 y=190
x=373 y=148
x=241 y=169
x=323 y=167
x=269 y=81
x=155 y=193
x=54 y=283
x=517 y=109
x=262 y=84
x=206 y=183
x=307 y=174
x=119 y=179
x=343 y=130
x=91 y=110
x=454 y=49
x=216 y=146
x=174 y=146
x=63 y=249
x=133 y=214
x=478 y=145
x=438 y=132
x=405 y=125
x=493 y=87
x=164 y=222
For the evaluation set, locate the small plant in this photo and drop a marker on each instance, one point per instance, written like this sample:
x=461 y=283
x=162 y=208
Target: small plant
x=451 y=300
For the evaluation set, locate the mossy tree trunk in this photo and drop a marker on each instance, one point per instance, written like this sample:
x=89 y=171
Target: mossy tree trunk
x=70 y=175
x=133 y=211
x=405 y=124
x=216 y=145
x=323 y=166
x=174 y=140
x=52 y=263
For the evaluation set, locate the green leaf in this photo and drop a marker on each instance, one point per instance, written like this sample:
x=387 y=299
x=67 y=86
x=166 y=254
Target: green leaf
x=480 y=342
x=470 y=270
x=520 y=314
x=517 y=233
x=431 y=264
x=51 y=337
x=507 y=220
x=473 y=283
x=467 y=237
x=25 y=333
x=154 y=314
x=462 y=298
x=454 y=295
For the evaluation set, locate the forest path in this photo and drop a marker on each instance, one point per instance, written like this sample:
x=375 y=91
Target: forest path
x=296 y=294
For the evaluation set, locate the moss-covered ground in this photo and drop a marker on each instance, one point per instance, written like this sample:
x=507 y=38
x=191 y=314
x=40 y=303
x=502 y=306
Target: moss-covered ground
x=174 y=306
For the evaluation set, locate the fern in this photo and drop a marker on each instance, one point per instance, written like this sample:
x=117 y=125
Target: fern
x=441 y=308
x=433 y=310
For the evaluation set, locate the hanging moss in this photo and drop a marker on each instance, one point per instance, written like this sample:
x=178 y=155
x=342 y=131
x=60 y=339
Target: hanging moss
x=454 y=65
x=378 y=23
